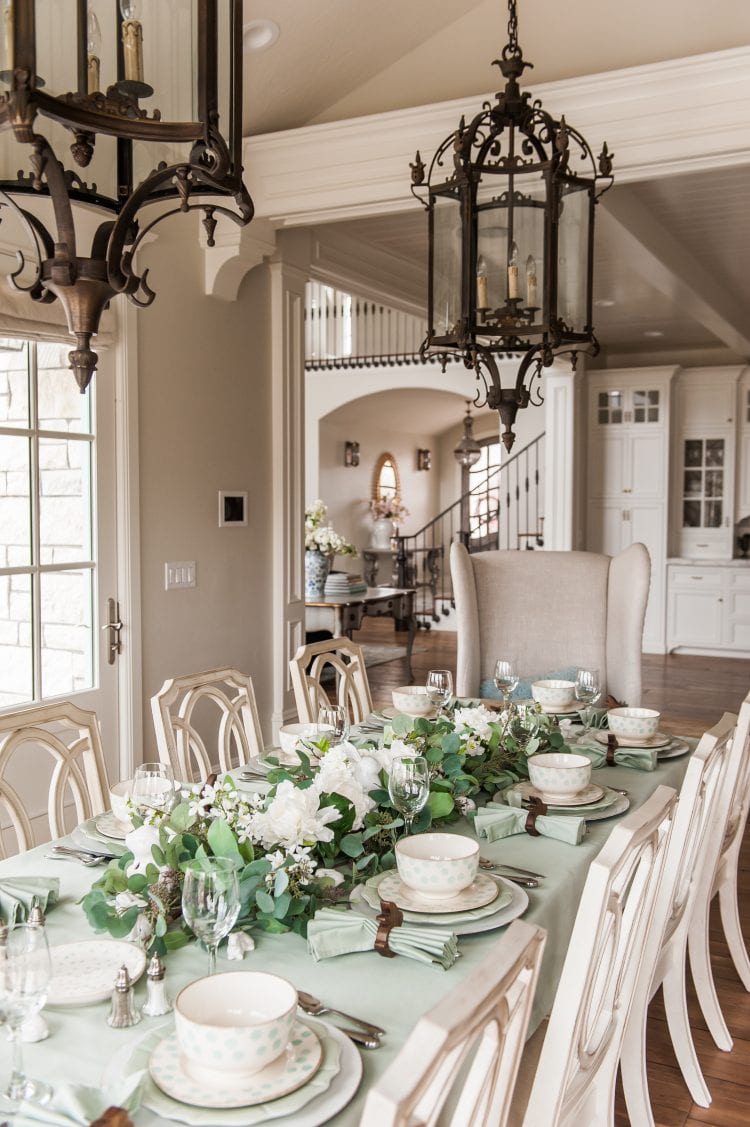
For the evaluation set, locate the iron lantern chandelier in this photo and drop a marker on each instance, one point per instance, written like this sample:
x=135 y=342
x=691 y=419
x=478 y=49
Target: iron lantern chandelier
x=510 y=199
x=78 y=73
x=468 y=451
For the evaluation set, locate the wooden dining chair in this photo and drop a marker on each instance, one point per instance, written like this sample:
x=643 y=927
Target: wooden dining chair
x=574 y=1081
x=472 y=1039
x=69 y=736
x=206 y=721
x=688 y=872
x=722 y=882
x=343 y=662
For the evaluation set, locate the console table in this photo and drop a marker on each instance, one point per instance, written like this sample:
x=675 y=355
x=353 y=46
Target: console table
x=342 y=614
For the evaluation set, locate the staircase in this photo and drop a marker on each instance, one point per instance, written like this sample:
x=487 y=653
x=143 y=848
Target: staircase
x=504 y=510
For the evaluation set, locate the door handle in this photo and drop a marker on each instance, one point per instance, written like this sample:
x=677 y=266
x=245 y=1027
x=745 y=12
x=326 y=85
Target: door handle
x=114 y=626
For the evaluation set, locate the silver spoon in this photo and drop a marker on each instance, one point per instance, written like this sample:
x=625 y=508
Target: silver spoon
x=314 y=1006
x=362 y=1039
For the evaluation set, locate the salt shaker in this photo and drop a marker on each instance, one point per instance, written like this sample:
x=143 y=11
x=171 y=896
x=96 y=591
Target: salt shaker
x=123 y=1012
x=157 y=1002
x=36 y=916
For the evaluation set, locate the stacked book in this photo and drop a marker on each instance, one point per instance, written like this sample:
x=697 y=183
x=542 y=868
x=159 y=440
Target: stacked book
x=340 y=583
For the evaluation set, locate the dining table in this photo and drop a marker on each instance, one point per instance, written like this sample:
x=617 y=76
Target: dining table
x=391 y=992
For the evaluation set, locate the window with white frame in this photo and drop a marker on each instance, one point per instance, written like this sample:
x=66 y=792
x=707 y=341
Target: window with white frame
x=47 y=558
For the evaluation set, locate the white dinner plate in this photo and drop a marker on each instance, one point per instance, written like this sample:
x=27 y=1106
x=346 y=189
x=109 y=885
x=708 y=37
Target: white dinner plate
x=387 y=714
x=587 y=797
x=331 y=1089
x=661 y=739
x=619 y=806
x=675 y=749
x=602 y=809
x=109 y=826
x=501 y=912
x=483 y=890
x=299 y=1062
x=84 y=972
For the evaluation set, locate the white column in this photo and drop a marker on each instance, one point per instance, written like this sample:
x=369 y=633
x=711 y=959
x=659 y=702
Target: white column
x=559 y=457
x=288 y=277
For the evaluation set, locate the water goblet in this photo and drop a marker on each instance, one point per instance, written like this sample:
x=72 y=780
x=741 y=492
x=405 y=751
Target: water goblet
x=409 y=786
x=26 y=972
x=335 y=723
x=506 y=679
x=153 y=790
x=211 y=904
x=439 y=687
x=588 y=690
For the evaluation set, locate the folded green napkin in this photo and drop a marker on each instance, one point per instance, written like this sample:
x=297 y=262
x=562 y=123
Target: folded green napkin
x=333 y=932
x=494 y=821
x=513 y=798
x=639 y=758
x=78 y=1105
x=17 y=895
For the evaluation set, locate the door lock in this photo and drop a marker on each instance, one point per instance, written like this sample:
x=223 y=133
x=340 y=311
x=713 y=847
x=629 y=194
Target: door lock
x=114 y=626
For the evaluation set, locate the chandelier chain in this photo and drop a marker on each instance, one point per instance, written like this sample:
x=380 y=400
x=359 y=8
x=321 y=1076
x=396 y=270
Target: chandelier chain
x=513 y=48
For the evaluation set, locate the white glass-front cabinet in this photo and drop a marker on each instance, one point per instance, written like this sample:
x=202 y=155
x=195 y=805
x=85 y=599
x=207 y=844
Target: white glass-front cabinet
x=628 y=474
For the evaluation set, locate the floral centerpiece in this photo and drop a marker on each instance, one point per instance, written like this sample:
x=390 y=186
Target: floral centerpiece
x=388 y=507
x=324 y=824
x=322 y=543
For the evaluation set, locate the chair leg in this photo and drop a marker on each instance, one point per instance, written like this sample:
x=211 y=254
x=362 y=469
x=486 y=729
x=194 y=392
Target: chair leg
x=703 y=978
x=730 y=920
x=675 y=1004
x=633 y=1068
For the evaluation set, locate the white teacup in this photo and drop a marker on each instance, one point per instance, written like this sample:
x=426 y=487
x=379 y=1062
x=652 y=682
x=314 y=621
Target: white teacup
x=559 y=774
x=638 y=723
x=118 y=800
x=412 y=700
x=554 y=694
x=437 y=866
x=234 y=1024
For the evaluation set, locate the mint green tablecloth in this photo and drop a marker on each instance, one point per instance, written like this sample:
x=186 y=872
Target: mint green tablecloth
x=390 y=992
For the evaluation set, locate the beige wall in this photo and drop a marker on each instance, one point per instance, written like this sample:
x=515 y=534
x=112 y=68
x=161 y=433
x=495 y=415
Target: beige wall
x=205 y=420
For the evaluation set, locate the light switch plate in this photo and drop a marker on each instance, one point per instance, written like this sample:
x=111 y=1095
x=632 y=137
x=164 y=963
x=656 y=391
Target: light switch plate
x=180 y=573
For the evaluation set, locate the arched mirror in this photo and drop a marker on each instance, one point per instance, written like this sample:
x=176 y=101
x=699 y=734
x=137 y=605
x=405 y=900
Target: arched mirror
x=386 y=481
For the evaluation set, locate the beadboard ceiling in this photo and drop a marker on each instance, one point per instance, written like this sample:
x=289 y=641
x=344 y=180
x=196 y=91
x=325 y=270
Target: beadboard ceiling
x=671 y=277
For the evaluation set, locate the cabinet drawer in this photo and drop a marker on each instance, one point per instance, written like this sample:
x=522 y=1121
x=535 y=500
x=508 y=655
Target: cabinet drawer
x=696 y=578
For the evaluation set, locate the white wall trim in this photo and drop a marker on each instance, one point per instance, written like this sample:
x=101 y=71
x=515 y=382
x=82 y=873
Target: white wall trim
x=658 y=119
x=129 y=666
x=236 y=252
x=559 y=459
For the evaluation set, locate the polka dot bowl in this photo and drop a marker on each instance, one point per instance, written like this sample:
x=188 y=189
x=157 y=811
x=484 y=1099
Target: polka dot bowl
x=559 y=774
x=633 y=722
x=437 y=866
x=412 y=700
x=236 y=1023
x=553 y=694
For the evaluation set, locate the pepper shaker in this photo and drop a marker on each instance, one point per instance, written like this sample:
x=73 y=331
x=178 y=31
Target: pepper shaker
x=123 y=1012
x=36 y=916
x=157 y=1002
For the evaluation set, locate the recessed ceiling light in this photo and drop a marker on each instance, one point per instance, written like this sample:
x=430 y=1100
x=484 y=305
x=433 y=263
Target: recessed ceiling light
x=257 y=35
x=604 y=302
x=653 y=333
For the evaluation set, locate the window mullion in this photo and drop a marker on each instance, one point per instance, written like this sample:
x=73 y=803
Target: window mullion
x=36 y=584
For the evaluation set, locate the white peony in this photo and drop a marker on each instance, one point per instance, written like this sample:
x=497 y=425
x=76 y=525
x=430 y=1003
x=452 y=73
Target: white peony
x=140 y=843
x=341 y=772
x=293 y=817
x=476 y=720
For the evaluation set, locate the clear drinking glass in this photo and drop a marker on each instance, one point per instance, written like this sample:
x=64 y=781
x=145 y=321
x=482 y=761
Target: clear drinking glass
x=439 y=687
x=27 y=970
x=153 y=789
x=588 y=691
x=506 y=678
x=211 y=904
x=335 y=718
x=409 y=786
x=523 y=724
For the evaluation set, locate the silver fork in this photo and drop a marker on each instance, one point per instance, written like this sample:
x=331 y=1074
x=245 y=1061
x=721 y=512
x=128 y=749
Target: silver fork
x=60 y=854
x=314 y=1006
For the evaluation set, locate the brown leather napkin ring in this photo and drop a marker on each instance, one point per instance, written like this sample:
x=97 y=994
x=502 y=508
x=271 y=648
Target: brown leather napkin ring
x=535 y=808
x=612 y=746
x=113 y=1117
x=389 y=917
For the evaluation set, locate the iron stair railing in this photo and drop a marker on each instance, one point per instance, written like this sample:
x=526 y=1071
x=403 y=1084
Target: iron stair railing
x=504 y=510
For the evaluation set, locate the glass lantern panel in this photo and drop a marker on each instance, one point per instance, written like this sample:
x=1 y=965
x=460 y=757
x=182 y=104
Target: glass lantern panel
x=574 y=232
x=510 y=240
x=446 y=264
x=57 y=46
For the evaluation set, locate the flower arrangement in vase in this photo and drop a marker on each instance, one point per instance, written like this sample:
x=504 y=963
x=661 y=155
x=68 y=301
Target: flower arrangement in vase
x=322 y=543
x=387 y=512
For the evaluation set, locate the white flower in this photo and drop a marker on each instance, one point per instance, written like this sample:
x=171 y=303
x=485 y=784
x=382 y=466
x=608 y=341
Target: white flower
x=125 y=900
x=140 y=843
x=465 y=806
x=141 y=931
x=331 y=874
x=341 y=772
x=476 y=720
x=293 y=817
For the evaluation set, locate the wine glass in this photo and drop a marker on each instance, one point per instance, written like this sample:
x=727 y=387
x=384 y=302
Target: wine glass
x=523 y=725
x=211 y=904
x=27 y=970
x=334 y=721
x=439 y=687
x=409 y=786
x=588 y=691
x=506 y=679
x=153 y=790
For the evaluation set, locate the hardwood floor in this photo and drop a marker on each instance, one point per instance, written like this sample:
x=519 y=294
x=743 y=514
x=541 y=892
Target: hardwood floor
x=692 y=693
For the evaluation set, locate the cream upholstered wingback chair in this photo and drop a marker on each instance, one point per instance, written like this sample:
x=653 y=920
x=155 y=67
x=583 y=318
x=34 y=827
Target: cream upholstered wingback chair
x=551 y=611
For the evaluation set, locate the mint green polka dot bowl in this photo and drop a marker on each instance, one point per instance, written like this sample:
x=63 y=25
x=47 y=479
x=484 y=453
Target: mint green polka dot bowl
x=437 y=866
x=629 y=723
x=559 y=774
x=235 y=1023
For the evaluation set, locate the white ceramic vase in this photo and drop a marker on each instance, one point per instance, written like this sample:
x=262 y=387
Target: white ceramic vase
x=382 y=531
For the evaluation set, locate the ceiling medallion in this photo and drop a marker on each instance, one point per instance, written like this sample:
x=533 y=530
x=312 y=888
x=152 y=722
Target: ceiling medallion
x=510 y=200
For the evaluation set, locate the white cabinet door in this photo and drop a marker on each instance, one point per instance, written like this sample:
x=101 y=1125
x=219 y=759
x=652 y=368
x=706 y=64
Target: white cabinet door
x=695 y=618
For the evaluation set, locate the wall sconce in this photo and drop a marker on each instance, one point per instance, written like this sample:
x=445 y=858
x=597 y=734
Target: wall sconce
x=424 y=460
x=351 y=454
